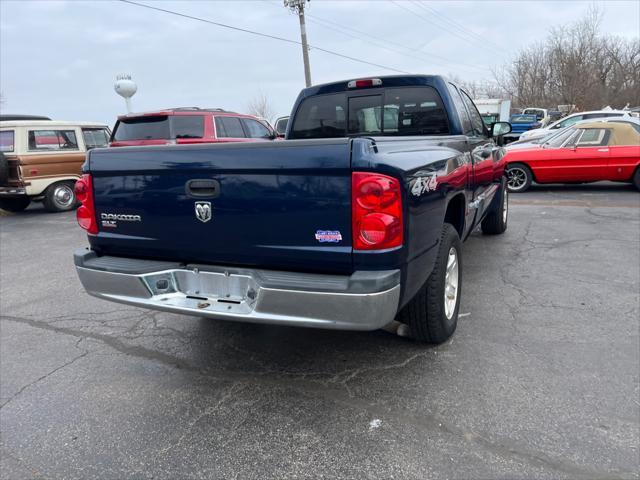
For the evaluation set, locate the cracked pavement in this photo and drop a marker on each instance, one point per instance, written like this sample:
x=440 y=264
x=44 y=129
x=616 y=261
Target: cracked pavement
x=541 y=379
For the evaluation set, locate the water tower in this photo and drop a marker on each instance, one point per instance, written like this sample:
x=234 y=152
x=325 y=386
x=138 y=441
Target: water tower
x=126 y=88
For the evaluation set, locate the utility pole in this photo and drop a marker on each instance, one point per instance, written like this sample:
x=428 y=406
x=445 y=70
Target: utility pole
x=297 y=6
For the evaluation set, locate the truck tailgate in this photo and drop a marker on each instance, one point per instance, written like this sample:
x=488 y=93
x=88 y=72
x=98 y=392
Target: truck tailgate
x=274 y=205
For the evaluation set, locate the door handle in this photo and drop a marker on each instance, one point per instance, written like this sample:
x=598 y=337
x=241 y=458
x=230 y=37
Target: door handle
x=202 y=188
x=603 y=149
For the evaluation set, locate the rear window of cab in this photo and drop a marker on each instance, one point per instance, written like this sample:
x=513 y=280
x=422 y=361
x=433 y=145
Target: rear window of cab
x=159 y=127
x=387 y=112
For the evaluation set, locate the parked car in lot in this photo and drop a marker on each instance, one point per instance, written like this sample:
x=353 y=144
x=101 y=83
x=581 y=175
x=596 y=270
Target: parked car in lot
x=41 y=160
x=585 y=152
x=540 y=141
x=542 y=115
x=571 y=119
x=357 y=218
x=188 y=125
x=520 y=123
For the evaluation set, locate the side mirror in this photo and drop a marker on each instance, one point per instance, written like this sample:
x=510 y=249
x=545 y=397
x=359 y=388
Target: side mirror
x=500 y=128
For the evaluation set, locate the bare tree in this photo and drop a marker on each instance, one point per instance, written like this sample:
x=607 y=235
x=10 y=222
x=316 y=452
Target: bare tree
x=260 y=106
x=479 y=89
x=576 y=65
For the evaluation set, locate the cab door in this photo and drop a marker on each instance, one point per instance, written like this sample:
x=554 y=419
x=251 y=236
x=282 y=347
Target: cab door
x=484 y=160
x=585 y=159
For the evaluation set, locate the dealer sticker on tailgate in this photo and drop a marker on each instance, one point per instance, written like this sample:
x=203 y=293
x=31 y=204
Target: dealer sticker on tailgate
x=328 y=236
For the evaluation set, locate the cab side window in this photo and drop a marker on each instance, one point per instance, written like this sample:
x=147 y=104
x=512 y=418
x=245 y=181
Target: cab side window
x=7 y=141
x=255 y=129
x=95 y=137
x=462 y=111
x=229 y=127
x=476 y=120
x=52 y=140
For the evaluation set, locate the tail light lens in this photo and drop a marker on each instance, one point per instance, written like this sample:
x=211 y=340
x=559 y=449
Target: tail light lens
x=376 y=211
x=86 y=213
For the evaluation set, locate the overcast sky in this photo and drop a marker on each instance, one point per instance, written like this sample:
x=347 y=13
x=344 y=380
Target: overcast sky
x=60 y=58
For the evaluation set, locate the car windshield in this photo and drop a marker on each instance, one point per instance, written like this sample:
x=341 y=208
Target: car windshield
x=534 y=111
x=550 y=136
x=560 y=138
x=489 y=119
x=523 y=118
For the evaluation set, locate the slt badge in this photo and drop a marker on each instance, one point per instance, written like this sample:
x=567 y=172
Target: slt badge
x=203 y=211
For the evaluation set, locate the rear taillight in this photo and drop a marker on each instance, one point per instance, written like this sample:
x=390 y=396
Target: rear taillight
x=86 y=213
x=376 y=211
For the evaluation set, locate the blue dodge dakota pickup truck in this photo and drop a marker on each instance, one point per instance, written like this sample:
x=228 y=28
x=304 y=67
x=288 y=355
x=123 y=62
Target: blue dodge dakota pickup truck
x=355 y=220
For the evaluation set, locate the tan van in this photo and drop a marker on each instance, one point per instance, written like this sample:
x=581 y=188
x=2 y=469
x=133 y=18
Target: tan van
x=41 y=160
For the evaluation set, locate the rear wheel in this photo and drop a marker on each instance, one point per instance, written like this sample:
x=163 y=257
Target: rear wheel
x=60 y=197
x=432 y=315
x=495 y=222
x=14 y=204
x=519 y=177
x=636 y=178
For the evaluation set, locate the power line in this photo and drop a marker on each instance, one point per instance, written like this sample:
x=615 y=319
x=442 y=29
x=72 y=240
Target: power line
x=260 y=34
x=473 y=35
x=409 y=53
x=359 y=35
x=426 y=19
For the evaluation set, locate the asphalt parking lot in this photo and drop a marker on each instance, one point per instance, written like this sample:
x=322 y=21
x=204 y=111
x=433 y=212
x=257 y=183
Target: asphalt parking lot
x=541 y=379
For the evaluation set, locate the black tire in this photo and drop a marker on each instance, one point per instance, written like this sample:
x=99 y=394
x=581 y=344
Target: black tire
x=495 y=222
x=60 y=197
x=519 y=177
x=425 y=313
x=14 y=204
x=4 y=169
x=636 y=178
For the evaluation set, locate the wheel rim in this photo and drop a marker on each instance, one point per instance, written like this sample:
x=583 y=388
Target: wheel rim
x=516 y=178
x=505 y=206
x=63 y=196
x=451 y=284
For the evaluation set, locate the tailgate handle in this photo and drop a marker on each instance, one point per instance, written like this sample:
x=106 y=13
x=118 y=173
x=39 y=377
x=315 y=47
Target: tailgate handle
x=203 y=188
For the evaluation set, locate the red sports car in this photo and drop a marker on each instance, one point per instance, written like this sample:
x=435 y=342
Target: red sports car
x=588 y=152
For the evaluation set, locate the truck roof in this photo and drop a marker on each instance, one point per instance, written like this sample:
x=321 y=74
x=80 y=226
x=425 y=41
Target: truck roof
x=386 y=81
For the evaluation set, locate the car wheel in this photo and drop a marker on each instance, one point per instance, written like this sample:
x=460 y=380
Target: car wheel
x=432 y=315
x=519 y=177
x=636 y=178
x=60 y=197
x=14 y=204
x=495 y=222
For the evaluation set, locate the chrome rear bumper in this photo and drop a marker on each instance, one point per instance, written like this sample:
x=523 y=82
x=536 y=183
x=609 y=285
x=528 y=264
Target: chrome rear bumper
x=362 y=301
